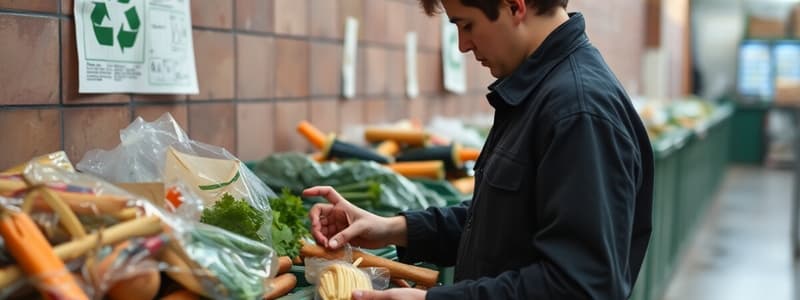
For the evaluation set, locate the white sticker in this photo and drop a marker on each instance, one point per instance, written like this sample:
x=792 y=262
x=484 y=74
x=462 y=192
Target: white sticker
x=349 y=58
x=412 y=83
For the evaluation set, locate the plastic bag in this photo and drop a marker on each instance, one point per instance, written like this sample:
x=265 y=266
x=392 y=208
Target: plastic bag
x=206 y=260
x=160 y=151
x=324 y=274
x=143 y=153
x=126 y=268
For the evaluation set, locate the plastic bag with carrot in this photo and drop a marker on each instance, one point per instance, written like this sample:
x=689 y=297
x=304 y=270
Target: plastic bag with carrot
x=115 y=240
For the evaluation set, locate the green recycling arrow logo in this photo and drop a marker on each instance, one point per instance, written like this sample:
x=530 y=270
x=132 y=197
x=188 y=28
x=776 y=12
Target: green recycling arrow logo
x=105 y=34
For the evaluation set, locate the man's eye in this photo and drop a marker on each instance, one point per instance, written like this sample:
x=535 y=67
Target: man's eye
x=467 y=27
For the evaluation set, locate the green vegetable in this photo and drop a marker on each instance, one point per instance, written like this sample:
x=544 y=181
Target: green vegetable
x=297 y=172
x=365 y=194
x=239 y=264
x=288 y=223
x=235 y=216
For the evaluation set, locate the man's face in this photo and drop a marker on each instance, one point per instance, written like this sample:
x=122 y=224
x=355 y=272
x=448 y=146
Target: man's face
x=492 y=42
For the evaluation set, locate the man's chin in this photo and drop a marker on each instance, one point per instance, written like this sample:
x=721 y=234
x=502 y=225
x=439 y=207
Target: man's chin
x=495 y=73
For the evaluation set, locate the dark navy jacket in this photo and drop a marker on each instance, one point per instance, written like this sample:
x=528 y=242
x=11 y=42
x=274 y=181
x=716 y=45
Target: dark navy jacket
x=563 y=189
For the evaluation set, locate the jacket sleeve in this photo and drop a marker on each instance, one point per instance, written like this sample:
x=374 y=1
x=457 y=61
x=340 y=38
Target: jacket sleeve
x=434 y=234
x=586 y=189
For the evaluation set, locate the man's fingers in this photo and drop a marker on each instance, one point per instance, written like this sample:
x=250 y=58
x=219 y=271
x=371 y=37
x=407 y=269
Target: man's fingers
x=318 y=217
x=326 y=192
x=371 y=295
x=401 y=293
x=344 y=236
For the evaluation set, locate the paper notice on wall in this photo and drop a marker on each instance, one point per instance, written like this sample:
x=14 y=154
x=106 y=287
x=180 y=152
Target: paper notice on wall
x=455 y=74
x=412 y=83
x=135 y=46
x=349 y=58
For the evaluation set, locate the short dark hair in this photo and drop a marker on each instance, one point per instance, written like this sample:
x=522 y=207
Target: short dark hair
x=491 y=8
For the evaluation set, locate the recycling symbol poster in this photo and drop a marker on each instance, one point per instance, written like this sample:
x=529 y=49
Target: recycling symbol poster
x=135 y=46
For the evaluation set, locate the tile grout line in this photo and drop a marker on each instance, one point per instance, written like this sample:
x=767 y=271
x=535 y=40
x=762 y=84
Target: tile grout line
x=60 y=107
x=235 y=79
x=309 y=69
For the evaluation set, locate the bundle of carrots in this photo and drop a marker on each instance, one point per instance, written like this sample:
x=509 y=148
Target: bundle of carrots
x=408 y=152
x=284 y=282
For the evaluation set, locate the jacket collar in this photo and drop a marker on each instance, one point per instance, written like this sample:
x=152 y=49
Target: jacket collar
x=515 y=88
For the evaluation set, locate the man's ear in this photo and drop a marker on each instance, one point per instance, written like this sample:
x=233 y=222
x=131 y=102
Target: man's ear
x=517 y=7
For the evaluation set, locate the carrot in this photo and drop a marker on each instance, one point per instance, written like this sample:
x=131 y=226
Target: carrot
x=181 y=295
x=465 y=185
x=319 y=157
x=101 y=268
x=181 y=270
x=433 y=169
x=314 y=135
x=138 y=227
x=421 y=276
x=142 y=285
x=467 y=154
x=8 y=186
x=388 y=148
x=86 y=204
x=37 y=258
x=405 y=136
x=284 y=264
x=282 y=285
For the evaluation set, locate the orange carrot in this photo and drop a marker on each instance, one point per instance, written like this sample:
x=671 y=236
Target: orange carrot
x=36 y=257
x=466 y=154
x=282 y=285
x=433 y=169
x=284 y=264
x=319 y=157
x=422 y=276
x=405 y=136
x=388 y=148
x=465 y=185
x=143 y=285
x=314 y=135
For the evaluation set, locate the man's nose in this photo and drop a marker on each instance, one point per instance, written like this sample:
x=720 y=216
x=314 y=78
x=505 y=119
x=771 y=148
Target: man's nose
x=464 y=43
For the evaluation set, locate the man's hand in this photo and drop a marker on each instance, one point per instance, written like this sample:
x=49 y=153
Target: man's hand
x=340 y=222
x=405 y=293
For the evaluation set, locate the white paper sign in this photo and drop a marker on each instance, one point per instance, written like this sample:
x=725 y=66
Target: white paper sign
x=349 y=58
x=455 y=75
x=135 y=46
x=412 y=83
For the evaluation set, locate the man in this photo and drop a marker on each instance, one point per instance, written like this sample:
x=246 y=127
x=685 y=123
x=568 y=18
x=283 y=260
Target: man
x=563 y=196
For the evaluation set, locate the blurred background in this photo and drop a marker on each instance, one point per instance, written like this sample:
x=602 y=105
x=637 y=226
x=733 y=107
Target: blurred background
x=716 y=81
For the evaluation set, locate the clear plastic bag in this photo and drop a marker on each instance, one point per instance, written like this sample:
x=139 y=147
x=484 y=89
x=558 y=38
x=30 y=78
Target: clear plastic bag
x=126 y=268
x=160 y=151
x=206 y=260
x=317 y=267
x=145 y=150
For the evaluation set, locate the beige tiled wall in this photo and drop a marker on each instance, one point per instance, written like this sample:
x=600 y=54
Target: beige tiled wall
x=262 y=65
